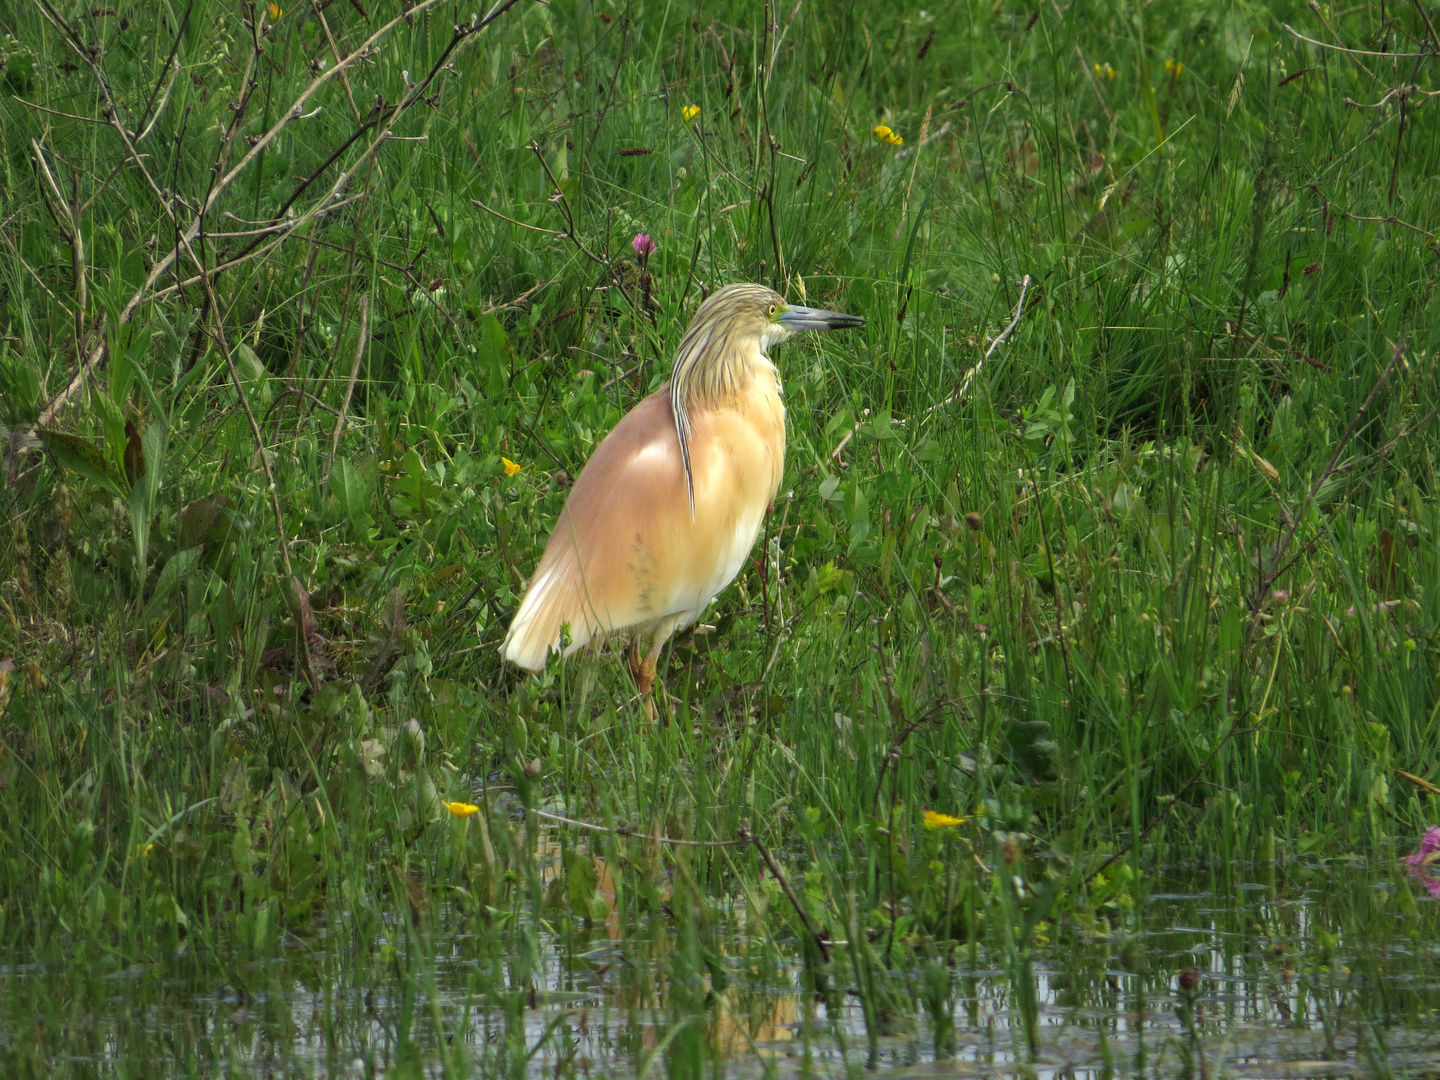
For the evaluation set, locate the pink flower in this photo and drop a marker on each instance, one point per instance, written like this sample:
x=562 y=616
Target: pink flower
x=643 y=245
x=1425 y=863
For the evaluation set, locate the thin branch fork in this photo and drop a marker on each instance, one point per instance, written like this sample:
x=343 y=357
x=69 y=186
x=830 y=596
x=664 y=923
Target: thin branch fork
x=184 y=237
x=505 y=217
x=1402 y=93
x=68 y=217
x=218 y=330
x=999 y=340
x=295 y=110
x=1355 y=52
x=571 y=233
x=1386 y=219
x=621 y=830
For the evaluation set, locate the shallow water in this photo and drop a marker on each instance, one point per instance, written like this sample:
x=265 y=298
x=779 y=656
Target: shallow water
x=1319 y=971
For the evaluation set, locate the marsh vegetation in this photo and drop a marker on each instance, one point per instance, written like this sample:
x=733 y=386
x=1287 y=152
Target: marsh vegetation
x=1078 y=706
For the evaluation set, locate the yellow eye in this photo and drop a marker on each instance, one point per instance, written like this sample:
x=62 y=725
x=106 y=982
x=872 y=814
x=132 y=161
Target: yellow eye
x=772 y=311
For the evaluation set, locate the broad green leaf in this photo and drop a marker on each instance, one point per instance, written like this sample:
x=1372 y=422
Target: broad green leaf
x=19 y=389
x=349 y=488
x=252 y=373
x=141 y=504
x=83 y=458
x=180 y=565
x=492 y=365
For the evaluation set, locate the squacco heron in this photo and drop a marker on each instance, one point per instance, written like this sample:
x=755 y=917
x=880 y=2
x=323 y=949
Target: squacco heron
x=668 y=507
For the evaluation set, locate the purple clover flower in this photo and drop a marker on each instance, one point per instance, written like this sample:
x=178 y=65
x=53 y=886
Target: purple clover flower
x=1425 y=863
x=643 y=246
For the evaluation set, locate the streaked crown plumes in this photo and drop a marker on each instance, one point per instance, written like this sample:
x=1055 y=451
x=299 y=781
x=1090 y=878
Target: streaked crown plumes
x=715 y=350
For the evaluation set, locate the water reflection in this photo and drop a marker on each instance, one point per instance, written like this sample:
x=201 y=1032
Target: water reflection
x=1324 y=974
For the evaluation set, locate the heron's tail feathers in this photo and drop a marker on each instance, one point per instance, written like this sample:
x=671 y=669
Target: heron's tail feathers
x=550 y=603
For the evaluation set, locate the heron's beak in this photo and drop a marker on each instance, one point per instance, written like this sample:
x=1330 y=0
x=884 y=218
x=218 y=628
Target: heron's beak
x=805 y=318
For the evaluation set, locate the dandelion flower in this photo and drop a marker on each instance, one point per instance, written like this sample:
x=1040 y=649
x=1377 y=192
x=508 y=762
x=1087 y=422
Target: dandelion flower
x=462 y=809
x=689 y=112
x=511 y=468
x=886 y=135
x=935 y=820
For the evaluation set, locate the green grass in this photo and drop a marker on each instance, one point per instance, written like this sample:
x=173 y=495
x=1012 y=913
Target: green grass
x=1162 y=584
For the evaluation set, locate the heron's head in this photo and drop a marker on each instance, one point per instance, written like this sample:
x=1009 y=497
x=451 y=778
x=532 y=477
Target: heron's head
x=740 y=312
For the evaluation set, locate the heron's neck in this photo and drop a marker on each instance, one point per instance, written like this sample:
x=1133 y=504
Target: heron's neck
x=712 y=369
x=719 y=372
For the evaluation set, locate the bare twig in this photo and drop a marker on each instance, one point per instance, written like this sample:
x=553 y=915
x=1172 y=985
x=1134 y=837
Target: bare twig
x=281 y=234
x=999 y=339
x=217 y=321
x=67 y=216
x=621 y=830
x=1354 y=52
x=512 y=221
x=846 y=440
x=564 y=203
x=522 y=298
x=57 y=112
x=820 y=943
x=1389 y=95
x=293 y=112
x=1395 y=440
x=275 y=227
x=223 y=181
x=1430 y=26
x=319 y=12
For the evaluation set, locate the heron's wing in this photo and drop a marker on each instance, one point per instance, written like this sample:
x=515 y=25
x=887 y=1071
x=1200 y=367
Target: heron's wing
x=612 y=559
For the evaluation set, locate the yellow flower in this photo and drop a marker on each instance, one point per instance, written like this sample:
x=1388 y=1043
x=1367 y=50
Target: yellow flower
x=689 y=112
x=1105 y=71
x=510 y=467
x=886 y=135
x=462 y=809
x=936 y=820
x=1174 y=67
x=276 y=12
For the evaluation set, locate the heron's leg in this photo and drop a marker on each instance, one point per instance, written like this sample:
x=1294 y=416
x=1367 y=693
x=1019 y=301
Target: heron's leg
x=645 y=678
x=634 y=657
